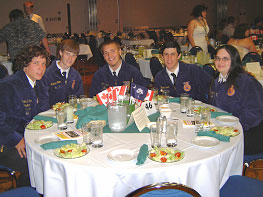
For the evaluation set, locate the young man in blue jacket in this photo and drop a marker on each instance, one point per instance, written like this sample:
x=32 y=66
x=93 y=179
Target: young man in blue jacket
x=61 y=79
x=19 y=103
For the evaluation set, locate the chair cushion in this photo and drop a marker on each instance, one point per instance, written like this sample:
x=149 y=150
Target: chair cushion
x=242 y=186
x=166 y=193
x=20 y=192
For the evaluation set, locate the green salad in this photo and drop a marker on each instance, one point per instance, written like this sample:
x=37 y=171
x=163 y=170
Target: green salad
x=165 y=155
x=39 y=124
x=71 y=151
x=226 y=131
x=199 y=108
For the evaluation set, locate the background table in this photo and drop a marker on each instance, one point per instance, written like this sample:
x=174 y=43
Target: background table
x=204 y=169
x=146 y=42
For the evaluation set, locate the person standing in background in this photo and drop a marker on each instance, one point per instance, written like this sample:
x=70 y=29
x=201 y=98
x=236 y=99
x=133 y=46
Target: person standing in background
x=198 y=28
x=28 y=8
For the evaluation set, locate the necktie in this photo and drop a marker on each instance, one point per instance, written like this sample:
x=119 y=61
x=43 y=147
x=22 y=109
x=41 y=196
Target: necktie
x=115 y=77
x=64 y=74
x=36 y=91
x=174 y=78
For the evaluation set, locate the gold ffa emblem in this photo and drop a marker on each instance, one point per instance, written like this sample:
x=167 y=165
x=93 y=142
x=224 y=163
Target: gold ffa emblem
x=73 y=84
x=187 y=86
x=231 y=91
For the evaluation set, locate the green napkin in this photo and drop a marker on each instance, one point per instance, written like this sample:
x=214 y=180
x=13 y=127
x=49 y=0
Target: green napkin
x=215 y=135
x=45 y=118
x=98 y=112
x=133 y=128
x=58 y=144
x=143 y=153
x=215 y=114
x=174 y=100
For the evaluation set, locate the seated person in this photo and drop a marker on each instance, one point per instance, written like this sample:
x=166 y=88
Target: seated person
x=116 y=71
x=18 y=105
x=179 y=77
x=61 y=79
x=241 y=41
x=235 y=91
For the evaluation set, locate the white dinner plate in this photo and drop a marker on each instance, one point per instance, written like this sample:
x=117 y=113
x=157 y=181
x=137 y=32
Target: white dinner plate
x=227 y=120
x=205 y=141
x=46 y=139
x=122 y=155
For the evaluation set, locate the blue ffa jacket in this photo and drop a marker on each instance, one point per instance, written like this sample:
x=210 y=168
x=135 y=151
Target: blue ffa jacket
x=104 y=76
x=244 y=100
x=191 y=79
x=18 y=106
x=54 y=88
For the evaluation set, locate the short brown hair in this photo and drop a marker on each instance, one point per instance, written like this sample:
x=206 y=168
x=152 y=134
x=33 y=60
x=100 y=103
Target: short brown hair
x=108 y=42
x=70 y=46
x=29 y=3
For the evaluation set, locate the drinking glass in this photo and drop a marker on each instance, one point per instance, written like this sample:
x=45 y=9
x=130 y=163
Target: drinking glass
x=166 y=94
x=171 y=133
x=62 y=119
x=72 y=100
x=183 y=100
x=86 y=133
x=155 y=134
x=69 y=112
x=83 y=101
x=197 y=119
x=205 y=119
x=190 y=105
x=96 y=130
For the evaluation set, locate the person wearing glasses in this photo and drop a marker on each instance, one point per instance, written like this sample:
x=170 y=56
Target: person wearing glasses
x=239 y=93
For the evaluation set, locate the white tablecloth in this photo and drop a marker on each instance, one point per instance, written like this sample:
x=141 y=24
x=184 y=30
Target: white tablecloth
x=204 y=169
x=8 y=66
x=147 y=42
x=84 y=49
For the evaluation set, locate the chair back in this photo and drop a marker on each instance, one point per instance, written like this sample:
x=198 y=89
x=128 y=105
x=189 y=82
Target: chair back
x=254 y=169
x=209 y=69
x=3 y=71
x=93 y=44
x=155 y=66
x=195 y=49
x=98 y=57
x=212 y=51
x=252 y=57
x=164 y=189
x=129 y=58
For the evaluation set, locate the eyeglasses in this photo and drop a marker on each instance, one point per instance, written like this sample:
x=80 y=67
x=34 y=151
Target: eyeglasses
x=224 y=59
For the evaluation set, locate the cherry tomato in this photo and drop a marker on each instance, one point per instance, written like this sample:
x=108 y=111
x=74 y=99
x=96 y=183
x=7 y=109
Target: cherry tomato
x=62 y=151
x=236 y=130
x=152 y=154
x=84 y=150
x=178 y=154
x=43 y=126
x=163 y=152
x=70 y=150
x=163 y=159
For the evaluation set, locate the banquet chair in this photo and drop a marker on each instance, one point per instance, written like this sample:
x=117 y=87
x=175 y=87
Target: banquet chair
x=164 y=189
x=21 y=192
x=252 y=57
x=129 y=58
x=155 y=66
x=242 y=186
x=195 y=49
x=211 y=50
x=3 y=71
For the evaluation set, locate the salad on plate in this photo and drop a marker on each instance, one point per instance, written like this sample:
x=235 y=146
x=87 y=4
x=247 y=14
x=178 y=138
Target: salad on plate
x=165 y=155
x=39 y=125
x=71 y=151
x=226 y=131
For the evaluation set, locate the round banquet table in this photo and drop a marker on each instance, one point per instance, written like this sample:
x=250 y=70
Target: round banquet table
x=204 y=169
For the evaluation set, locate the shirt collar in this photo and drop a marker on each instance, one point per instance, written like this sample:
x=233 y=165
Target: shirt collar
x=31 y=82
x=222 y=78
x=117 y=70
x=61 y=70
x=176 y=71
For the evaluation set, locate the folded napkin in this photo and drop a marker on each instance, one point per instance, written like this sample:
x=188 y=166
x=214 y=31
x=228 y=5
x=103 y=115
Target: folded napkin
x=215 y=135
x=174 y=100
x=215 y=114
x=98 y=112
x=45 y=118
x=57 y=144
x=142 y=154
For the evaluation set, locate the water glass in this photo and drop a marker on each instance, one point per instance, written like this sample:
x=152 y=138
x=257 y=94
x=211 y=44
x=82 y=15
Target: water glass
x=72 y=100
x=197 y=119
x=69 y=112
x=83 y=101
x=205 y=119
x=171 y=133
x=155 y=134
x=117 y=116
x=62 y=119
x=96 y=131
x=183 y=100
x=166 y=94
x=190 y=105
x=86 y=133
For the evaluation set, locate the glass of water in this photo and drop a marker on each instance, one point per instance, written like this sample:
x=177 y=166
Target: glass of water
x=72 y=100
x=171 y=133
x=61 y=116
x=205 y=119
x=86 y=133
x=96 y=131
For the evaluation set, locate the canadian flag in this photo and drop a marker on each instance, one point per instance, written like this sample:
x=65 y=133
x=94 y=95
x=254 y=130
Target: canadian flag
x=111 y=94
